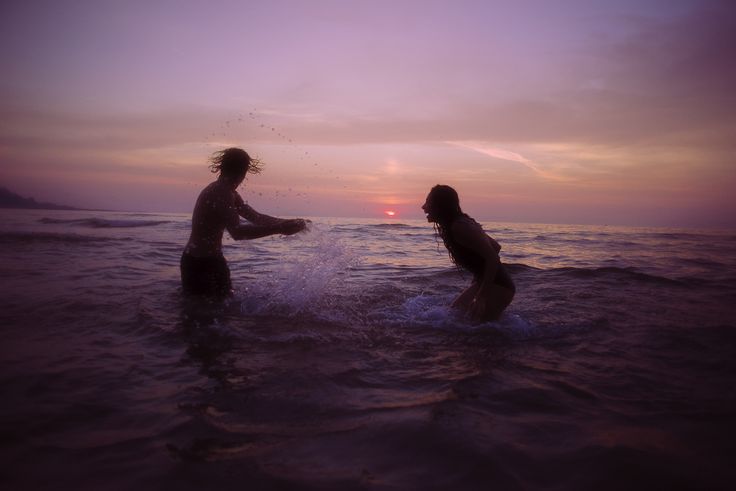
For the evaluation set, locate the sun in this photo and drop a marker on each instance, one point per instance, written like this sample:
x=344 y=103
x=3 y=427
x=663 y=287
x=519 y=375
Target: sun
x=390 y=213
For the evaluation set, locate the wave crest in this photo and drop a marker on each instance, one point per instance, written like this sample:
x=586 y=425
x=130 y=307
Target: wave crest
x=29 y=237
x=104 y=222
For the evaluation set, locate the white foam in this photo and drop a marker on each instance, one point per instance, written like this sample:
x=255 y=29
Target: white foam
x=434 y=312
x=313 y=278
x=515 y=326
x=422 y=310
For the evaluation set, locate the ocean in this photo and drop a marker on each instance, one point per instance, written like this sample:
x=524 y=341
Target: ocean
x=337 y=364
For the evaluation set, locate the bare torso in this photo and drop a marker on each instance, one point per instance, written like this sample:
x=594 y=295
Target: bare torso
x=219 y=208
x=215 y=210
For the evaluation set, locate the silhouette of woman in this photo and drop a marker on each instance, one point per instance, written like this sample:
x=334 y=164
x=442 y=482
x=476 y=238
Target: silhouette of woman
x=470 y=248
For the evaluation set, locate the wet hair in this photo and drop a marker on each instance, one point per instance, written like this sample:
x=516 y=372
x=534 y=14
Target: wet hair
x=444 y=203
x=233 y=161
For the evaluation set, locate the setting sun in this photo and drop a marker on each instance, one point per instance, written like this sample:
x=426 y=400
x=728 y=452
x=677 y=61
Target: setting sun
x=390 y=213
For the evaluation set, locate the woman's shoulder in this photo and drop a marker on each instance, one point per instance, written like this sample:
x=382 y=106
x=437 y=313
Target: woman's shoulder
x=464 y=223
x=465 y=229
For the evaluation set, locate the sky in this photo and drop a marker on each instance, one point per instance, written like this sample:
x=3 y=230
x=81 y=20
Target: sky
x=574 y=111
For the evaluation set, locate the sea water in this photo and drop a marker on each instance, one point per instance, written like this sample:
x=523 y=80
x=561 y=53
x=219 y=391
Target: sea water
x=338 y=364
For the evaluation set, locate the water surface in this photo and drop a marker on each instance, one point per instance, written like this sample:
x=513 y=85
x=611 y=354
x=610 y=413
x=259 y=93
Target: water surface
x=338 y=365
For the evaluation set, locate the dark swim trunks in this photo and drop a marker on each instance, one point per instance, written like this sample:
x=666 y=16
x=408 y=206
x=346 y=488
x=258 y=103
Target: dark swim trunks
x=205 y=275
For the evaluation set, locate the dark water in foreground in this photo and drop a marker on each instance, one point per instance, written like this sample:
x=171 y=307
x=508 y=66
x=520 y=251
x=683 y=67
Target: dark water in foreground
x=338 y=366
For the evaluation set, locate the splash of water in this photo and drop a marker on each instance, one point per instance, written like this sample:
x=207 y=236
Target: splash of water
x=434 y=312
x=308 y=280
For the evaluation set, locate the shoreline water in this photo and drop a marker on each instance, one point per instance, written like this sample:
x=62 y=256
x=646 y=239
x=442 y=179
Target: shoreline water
x=337 y=364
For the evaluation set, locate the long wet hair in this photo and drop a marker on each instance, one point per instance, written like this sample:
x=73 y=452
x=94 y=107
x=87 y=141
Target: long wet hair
x=444 y=204
x=233 y=162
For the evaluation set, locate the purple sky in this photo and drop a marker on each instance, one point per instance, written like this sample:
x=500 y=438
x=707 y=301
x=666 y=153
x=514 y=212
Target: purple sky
x=578 y=111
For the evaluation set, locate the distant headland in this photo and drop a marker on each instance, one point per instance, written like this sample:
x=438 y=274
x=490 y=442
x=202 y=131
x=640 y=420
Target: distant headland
x=9 y=199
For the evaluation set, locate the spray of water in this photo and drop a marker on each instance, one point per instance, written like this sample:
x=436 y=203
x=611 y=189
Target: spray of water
x=311 y=279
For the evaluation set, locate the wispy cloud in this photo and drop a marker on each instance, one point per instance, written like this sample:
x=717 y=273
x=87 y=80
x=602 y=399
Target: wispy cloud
x=503 y=154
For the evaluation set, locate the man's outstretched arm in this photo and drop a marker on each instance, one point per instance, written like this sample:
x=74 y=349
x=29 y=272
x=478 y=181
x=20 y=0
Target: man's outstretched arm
x=246 y=211
x=249 y=213
x=246 y=231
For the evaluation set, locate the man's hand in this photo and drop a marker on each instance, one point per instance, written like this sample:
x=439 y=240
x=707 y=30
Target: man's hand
x=292 y=226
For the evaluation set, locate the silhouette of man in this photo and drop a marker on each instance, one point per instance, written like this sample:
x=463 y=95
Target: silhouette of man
x=204 y=270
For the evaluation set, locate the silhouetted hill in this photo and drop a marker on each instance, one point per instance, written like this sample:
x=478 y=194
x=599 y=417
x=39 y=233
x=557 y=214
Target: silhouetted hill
x=9 y=199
